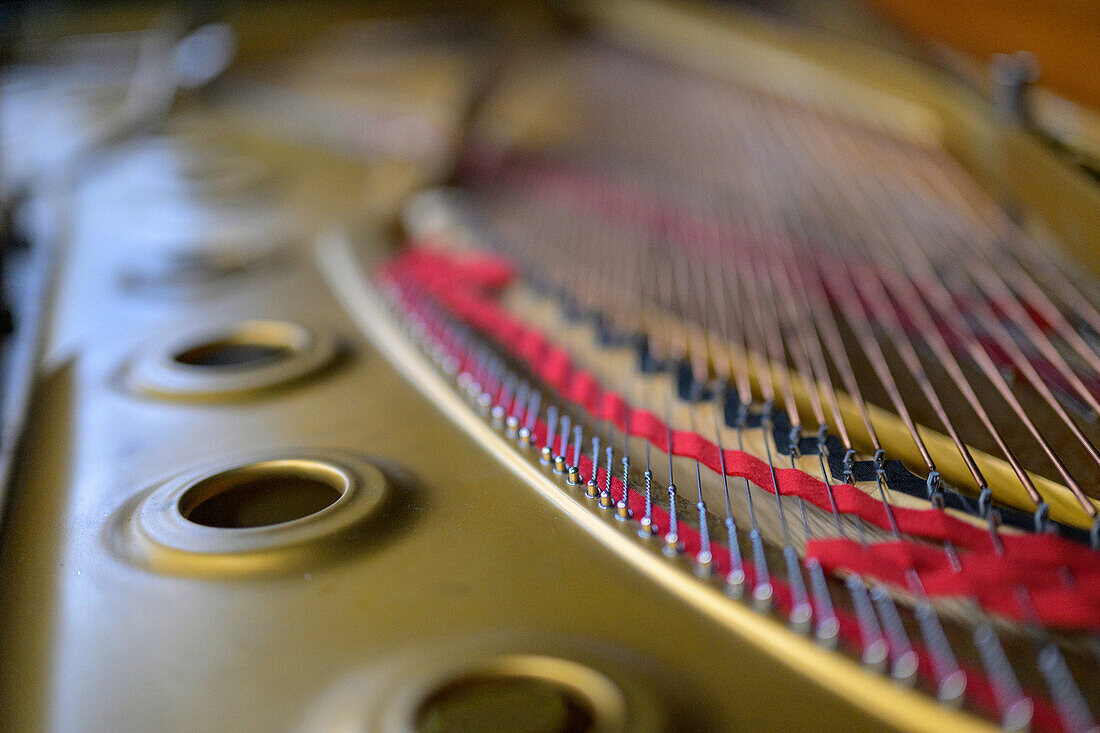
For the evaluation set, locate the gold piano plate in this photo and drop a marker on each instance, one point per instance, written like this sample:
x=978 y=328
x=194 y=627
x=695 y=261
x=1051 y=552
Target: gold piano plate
x=603 y=366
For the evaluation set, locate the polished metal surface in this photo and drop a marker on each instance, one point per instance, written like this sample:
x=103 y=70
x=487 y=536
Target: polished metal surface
x=259 y=490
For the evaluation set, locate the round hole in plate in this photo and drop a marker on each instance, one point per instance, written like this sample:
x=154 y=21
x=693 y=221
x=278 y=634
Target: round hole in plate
x=231 y=359
x=262 y=494
x=230 y=353
x=514 y=704
x=504 y=682
x=254 y=515
x=248 y=344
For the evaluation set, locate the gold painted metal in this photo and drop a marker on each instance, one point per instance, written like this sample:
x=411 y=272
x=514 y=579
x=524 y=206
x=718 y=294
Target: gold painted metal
x=572 y=684
x=164 y=368
x=116 y=613
x=872 y=693
x=461 y=550
x=156 y=533
x=391 y=697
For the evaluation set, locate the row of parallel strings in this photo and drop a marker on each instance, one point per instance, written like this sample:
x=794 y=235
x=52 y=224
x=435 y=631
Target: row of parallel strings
x=948 y=314
x=862 y=263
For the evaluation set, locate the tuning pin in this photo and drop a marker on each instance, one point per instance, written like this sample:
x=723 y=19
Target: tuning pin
x=827 y=629
x=504 y=398
x=735 y=578
x=762 y=591
x=950 y=680
x=622 y=508
x=559 y=457
x=704 y=559
x=801 y=609
x=903 y=668
x=527 y=432
x=592 y=490
x=605 y=496
x=672 y=537
x=546 y=453
x=647 y=528
x=875 y=649
x=511 y=423
x=573 y=476
x=1016 y=708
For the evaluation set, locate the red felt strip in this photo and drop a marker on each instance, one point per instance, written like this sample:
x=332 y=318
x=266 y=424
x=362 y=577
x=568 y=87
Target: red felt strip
x=468 y=286
x=979 y=690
